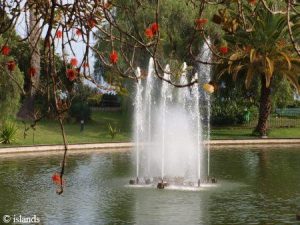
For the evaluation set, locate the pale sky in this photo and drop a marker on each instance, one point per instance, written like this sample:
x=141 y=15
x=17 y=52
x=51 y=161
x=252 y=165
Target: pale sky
x=78 y=47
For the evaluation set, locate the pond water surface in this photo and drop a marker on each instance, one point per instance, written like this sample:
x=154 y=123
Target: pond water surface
x=255 y=186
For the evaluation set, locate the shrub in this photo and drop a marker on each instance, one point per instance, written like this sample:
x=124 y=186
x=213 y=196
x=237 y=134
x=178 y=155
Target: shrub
x=8 y=133
x=113 y=131
x=10 y=90
x=80 y=111
x=94 y=100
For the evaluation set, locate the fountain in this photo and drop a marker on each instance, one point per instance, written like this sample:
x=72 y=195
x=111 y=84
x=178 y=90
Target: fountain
x=205 y=71
x=138 y=123
x=169 y=123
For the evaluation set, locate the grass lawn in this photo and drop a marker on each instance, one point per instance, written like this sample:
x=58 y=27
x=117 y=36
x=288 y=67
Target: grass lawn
x=96 y=131
x=245 y=133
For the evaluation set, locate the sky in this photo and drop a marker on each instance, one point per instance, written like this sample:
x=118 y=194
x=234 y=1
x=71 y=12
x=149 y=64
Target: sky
x=78 y=47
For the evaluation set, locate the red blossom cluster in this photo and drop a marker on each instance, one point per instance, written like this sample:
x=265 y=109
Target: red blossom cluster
x=151 y=30
x=74 y=62
x=58 y=34
x=223 y=50
x=5 y=50
x=11 y=65
x=78 y=32
x=91 y=22
x=201 y=22
x=113 y=57
x=71 y=74
x=57 y=179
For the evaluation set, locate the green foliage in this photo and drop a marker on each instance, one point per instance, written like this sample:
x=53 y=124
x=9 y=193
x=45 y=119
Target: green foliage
x=80 y=111
x=8 y=133
x=226 y=113
x=176 y=26
x=282 y=93
x=261 y=50
x=231 y=110
x=83 y=92
x=231 y=99
x=80 y=108
x=94 y=100
x=113 y=131
x=11 y=85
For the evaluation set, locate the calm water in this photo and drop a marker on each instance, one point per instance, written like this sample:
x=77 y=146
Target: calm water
x=256 y=186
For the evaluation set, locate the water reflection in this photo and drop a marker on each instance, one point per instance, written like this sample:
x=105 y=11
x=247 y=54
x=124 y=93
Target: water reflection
x=257 y=186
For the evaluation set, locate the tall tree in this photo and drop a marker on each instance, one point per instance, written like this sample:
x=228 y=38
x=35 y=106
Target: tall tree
x=27 y=109
x=261 y=50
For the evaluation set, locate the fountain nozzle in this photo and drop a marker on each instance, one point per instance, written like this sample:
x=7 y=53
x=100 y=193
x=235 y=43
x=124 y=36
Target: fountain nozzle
x=161 y=185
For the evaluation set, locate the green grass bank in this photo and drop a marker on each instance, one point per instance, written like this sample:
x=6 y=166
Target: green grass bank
x=96 y=131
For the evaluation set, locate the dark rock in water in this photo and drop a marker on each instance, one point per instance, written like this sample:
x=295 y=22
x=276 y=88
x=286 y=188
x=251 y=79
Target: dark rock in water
x=161 y=185
x=131 y=182
x=298 y=216
x=148 y=181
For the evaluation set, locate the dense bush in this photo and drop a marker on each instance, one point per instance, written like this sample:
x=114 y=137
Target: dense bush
x=226 y=113
x=80 y=111
x=231 y=99
x=80 y=108
x=94 y=100
x=10 y=90
x=110 y=100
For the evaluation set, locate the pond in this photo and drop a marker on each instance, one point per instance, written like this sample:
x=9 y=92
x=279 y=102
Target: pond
x=255 y=186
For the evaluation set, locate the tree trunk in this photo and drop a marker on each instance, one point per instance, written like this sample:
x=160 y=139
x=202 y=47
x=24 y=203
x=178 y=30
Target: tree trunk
x=27 y=108
x=264 y=108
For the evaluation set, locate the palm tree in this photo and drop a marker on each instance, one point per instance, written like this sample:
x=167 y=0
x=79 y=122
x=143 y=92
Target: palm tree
x=263 y=51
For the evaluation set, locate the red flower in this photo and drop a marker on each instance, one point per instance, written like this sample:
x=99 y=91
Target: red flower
x=5 y=50
x=91 y=22
x=253 y=2
x=58 y=34
x=11 y=65
x=149 y=34
x=154 y=27
x=32 y=72
x=78 y=32
x=223 y=50
x=74 y=62
x=86 y=64
x=57 y=179
x=113 y=57
x=71 y=74
x=200 y=22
